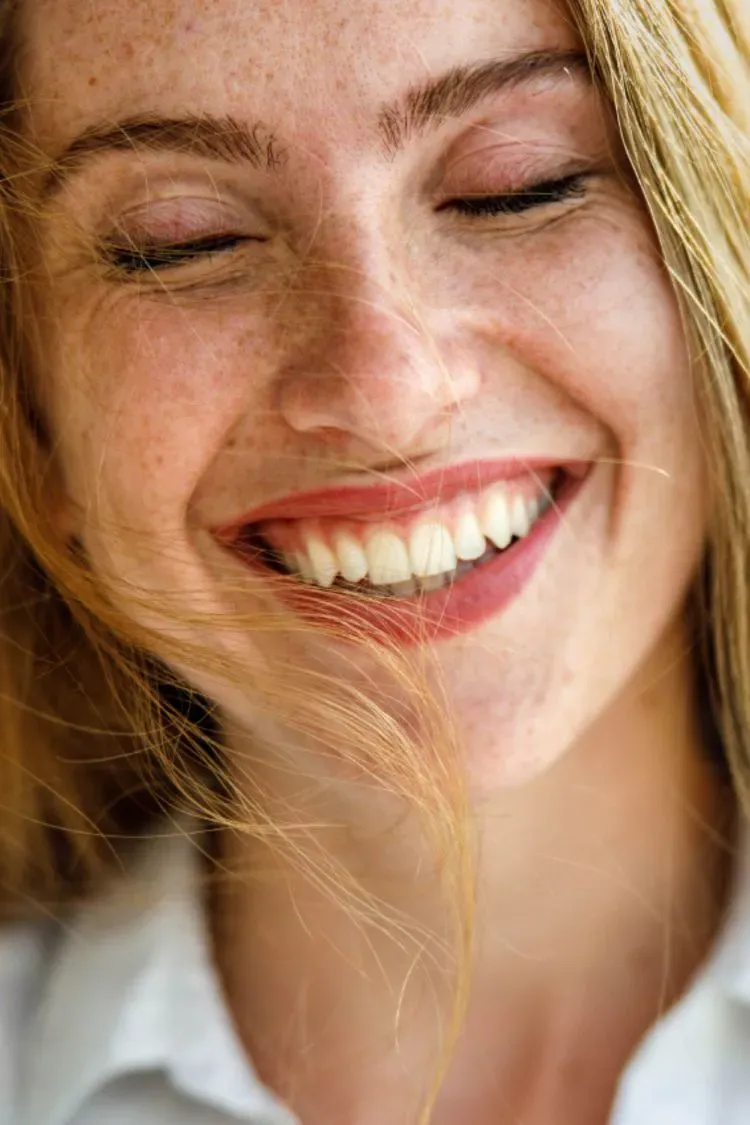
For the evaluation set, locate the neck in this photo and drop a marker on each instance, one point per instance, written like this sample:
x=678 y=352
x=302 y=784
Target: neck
x=599 y=889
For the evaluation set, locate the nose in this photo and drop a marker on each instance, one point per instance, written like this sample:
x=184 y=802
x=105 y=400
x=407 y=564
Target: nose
x=372 y=369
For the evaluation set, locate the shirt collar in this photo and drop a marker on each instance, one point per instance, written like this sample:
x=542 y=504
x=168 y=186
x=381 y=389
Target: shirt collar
x=132 y=988
x=691 y=1068
x=729 y=964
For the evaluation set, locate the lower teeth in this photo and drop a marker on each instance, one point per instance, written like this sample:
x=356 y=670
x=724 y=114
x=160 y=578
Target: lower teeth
x=417 y=585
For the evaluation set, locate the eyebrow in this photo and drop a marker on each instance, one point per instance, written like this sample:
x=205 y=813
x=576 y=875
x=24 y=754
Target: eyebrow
x=215 y=138
x=225 y=138
x=464 y=87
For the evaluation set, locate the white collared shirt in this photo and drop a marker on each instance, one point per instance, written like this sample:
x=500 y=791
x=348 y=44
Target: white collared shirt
x=116 y=1017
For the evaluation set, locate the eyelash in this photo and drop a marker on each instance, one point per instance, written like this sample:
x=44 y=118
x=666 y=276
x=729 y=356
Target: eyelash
x=516 y=203
x=150 y=259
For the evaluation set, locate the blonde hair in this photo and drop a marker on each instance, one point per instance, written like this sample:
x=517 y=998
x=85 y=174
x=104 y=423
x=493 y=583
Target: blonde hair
x=678 y=75
x=99 y=737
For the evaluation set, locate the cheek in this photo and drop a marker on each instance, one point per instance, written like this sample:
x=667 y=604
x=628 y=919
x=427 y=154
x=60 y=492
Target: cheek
x=599 y=317
x=588 y=305
x=160 y=391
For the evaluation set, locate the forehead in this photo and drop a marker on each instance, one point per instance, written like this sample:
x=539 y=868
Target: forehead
x=331 y=62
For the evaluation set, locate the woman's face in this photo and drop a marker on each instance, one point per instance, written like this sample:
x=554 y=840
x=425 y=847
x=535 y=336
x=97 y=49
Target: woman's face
x=412 y=257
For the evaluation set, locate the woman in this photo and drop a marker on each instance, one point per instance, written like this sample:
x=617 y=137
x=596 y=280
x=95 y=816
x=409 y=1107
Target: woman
x=374 y=536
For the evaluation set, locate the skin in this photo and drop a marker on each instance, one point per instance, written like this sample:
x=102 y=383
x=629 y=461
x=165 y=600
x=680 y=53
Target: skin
x=370 y=331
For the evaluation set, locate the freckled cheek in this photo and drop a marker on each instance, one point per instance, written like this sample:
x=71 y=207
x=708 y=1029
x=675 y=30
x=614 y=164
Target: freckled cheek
x=154 y=405
x=595 y=315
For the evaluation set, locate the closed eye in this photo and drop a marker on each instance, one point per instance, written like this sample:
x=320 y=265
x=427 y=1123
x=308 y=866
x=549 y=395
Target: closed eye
x=516 y=203
x=129 y=257
x=132 y=258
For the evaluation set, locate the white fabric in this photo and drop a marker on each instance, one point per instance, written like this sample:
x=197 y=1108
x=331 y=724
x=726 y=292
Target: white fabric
x=116 y=1017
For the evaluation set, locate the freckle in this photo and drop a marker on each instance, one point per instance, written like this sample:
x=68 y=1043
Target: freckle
x=93 y=80
x=128 y=50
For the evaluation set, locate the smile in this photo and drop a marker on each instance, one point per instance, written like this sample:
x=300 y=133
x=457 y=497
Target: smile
x=453 y=547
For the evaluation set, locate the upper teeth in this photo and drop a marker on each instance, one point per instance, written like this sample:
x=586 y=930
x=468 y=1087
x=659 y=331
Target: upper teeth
x=429 y=550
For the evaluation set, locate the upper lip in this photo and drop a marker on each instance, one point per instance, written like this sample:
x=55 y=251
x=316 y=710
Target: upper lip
x=397 y=496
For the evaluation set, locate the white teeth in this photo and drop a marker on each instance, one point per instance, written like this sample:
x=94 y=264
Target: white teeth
x=431 y=558
x=323 y=562
x=351 y=558
x=431 y=550
x=519 y=518
x=496 y=520
x=387 y=559
x=469 y=541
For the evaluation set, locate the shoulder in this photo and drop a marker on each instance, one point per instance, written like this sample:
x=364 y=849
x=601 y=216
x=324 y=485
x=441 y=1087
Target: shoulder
x=115 y=1013
x=25 y=952
x=68 y=983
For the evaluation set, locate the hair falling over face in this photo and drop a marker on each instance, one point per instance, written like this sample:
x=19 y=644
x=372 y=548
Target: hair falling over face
x=102 y=734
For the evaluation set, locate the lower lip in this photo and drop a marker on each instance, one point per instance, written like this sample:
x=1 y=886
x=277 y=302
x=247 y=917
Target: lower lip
x=449 y=612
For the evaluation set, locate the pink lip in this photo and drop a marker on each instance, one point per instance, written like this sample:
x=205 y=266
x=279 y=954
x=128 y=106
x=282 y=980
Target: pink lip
x=448 y=612
x=395 y=497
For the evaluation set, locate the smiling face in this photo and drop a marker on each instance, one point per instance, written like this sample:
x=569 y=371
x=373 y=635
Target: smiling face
x=324 y=245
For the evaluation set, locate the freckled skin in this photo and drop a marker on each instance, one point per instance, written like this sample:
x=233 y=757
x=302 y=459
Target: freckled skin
x=360 y=323
x=368 y=328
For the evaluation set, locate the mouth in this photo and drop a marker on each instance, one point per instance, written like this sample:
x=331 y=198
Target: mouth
x=454 y=556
